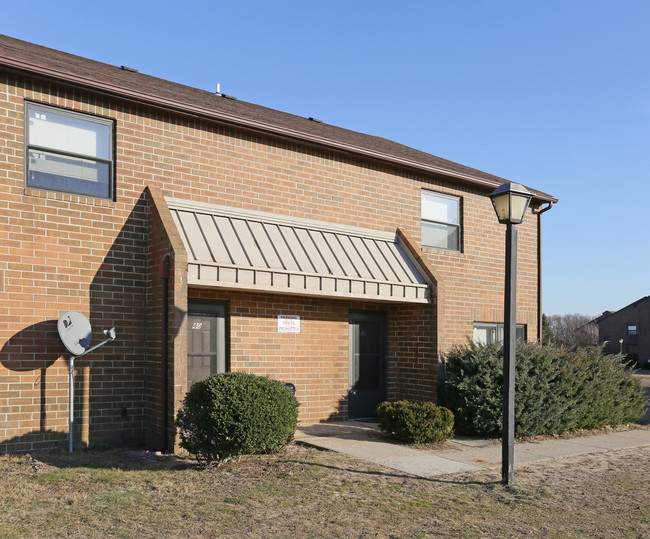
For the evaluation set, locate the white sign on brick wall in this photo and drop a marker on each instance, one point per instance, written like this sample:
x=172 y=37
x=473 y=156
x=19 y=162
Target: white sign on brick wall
x=288 y=323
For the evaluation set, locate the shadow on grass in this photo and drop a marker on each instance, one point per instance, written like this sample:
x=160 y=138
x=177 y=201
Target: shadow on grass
x=123 y=460
x=392 y=475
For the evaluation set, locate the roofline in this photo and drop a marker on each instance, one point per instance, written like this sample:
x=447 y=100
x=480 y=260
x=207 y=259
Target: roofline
x=609 y=314
x=206 y=113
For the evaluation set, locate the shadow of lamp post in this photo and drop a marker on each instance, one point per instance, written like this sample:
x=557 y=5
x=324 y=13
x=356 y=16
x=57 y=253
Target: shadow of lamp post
x=510 y=202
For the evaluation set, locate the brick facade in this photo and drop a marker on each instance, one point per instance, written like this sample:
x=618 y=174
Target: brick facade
x=61 y=252
x=632 y=325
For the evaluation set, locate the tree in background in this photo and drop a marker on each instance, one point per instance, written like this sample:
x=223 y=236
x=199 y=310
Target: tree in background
x=573 y=330
x=547 y=331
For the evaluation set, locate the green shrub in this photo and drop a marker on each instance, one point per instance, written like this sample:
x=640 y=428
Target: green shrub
x=235 y=413
x=556 y=390
x=416 y=422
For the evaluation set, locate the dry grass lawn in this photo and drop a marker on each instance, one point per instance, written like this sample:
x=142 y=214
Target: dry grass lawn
x=304 y=492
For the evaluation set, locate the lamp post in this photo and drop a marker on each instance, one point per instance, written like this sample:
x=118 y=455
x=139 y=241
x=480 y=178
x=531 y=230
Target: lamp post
x=620 y=346
x=510 y=202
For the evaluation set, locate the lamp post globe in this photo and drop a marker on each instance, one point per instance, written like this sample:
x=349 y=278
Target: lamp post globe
x=510 y=202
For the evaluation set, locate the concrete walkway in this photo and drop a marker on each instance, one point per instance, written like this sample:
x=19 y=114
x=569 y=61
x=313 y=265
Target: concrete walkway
x=365 y=441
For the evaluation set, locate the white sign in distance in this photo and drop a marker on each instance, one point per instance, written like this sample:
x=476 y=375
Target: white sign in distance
x=75 y=332
x=288 y=323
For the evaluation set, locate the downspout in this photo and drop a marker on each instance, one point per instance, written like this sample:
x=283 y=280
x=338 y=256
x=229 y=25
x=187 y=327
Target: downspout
x=164 y=274
x=540 y=313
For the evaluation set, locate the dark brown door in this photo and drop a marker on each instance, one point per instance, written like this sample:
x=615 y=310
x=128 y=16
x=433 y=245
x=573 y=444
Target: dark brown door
x=367 y=364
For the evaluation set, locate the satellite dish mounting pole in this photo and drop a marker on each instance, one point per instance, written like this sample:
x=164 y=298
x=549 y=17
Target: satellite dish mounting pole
x=71 y=404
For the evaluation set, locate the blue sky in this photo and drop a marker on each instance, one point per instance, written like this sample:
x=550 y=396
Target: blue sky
x=552 y=94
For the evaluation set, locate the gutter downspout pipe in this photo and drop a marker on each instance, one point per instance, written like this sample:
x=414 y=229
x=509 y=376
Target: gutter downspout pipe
x=164 y=274
x=540 y=313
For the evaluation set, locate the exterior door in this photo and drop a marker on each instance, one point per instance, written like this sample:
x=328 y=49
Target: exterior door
x=206 y=340
x=367 y=363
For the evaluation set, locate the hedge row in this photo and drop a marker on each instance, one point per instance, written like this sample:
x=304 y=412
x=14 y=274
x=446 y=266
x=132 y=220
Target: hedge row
x=556 y=390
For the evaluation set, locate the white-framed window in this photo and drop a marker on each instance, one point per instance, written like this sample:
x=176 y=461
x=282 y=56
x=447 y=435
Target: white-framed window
x=68 y=151
x=441 y=221
x=488 y=332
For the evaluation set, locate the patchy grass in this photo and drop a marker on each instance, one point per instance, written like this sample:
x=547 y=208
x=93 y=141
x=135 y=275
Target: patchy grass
x=310 y=493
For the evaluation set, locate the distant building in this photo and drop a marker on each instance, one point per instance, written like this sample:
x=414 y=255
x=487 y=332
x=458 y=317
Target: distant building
x=627 y=331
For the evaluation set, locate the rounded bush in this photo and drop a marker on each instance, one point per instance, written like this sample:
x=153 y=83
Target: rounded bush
x=416 y=422
x=235 y=413
x=556 y=390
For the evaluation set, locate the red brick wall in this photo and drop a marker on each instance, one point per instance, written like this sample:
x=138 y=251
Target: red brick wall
x=415 y=352
x=63 y=252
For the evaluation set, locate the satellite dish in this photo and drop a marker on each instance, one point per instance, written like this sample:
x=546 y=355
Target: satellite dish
x=75 y=332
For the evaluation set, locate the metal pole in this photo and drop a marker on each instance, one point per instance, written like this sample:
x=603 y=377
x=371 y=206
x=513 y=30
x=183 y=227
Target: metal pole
x=509 y=352
x=165 y=351
x=71 y=403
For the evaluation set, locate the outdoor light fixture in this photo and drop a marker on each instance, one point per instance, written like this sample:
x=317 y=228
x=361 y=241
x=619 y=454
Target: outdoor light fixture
x=510 y=202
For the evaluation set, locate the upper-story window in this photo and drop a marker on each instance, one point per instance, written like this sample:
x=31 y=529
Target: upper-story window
x=440 y=221
x=631 y=330
x=69 y=151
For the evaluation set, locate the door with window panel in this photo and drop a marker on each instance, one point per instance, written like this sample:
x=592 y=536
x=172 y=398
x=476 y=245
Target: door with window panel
x=367 y=363
x=206 y=341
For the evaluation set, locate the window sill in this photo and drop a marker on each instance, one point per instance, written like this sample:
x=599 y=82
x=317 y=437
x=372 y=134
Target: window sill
x=441 y=249
x=68 y=197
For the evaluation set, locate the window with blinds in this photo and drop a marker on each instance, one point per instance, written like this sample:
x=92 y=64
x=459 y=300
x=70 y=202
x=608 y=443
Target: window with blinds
x=68 y=151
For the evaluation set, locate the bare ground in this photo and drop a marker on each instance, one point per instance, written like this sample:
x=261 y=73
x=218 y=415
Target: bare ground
x=304 y=492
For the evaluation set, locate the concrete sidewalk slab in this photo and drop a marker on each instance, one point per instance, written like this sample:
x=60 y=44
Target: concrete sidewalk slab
x=640 y=434
x=362 y=449
x=472 y=442
x=427 y=465
x=339 y=429
x=604 y=441
x=364 y=440
x=556 y=449
x=391 y=455
x=484 y=457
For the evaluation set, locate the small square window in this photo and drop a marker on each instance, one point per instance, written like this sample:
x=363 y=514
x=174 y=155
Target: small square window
x=68 y=151
x=440 y=221
x=631 y=330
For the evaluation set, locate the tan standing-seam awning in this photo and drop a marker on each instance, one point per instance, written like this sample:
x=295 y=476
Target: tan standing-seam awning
x=251 y=250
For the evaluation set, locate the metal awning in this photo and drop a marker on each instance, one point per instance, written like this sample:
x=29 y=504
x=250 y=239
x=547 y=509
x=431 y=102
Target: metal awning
x=250 y=250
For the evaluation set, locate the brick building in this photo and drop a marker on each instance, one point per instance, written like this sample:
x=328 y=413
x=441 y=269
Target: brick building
x=627 y=331
x=220 y=235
